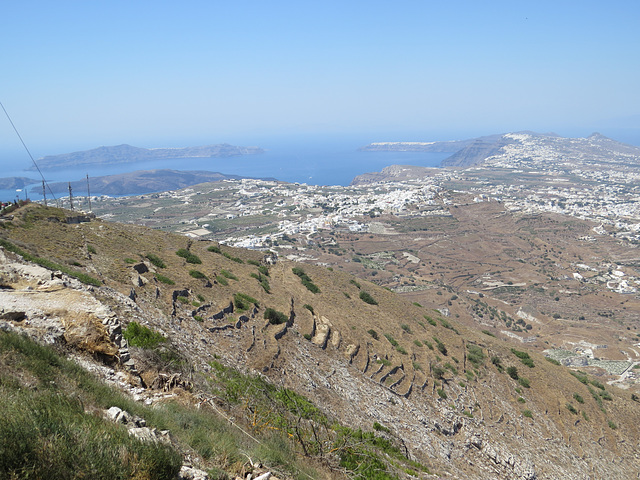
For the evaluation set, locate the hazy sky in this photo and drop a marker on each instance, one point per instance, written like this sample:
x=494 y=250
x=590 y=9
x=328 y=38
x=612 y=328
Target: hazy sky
x=80 y=74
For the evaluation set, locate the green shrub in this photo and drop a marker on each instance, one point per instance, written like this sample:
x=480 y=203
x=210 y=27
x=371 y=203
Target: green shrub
x=155 y=260
x=612 y=425
x=243 y=302
x=197 y=274
x=163 y=279
x=198 y=318
x=442 y=393
x=406 y=328
x=475 y=355
x=431 y=321
x=91 y=249
x=582 y=378
x=401 y=350
x=512 y=372
x=140 y=336
x=188 y=256
x=417 y=343
x=528 y=362
x=275 y=317
x=228 y=274
x=183 y=300
x=379 y=428
x=392 y=340
x=373 y=333
x=571 y=408
x=214 y=249
x=450 y=367
x=578 y=398
x=487 y=332
x=367 y=298
x=552 y=360
x=524 y=382
x=306 y=281
x=521 y=400
x=232 y=258
x=440 y=346
x=438 y=372
x=129 y=260
x=222 y=281
x=527 y=413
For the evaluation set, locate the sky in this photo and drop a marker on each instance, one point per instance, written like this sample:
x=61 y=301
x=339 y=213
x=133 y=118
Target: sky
x=80 y=74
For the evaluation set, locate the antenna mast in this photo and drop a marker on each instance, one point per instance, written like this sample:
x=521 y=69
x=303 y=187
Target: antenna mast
x=70 y=196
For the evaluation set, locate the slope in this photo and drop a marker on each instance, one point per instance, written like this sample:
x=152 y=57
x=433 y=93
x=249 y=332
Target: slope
x=458 y=402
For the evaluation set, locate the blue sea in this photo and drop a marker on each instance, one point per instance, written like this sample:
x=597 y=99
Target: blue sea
x=313 y=162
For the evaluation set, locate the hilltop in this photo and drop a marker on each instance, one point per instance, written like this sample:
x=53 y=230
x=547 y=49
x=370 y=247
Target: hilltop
x=435 y=397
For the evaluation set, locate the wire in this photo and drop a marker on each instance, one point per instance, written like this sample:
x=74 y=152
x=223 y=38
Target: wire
x=28 y=152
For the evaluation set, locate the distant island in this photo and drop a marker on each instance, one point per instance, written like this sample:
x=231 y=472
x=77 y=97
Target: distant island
x=475 y=151
x=9 y=183
x=140 y=181
x=129 y=154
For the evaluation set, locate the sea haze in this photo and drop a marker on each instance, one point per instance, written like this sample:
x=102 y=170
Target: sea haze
x=327 y=162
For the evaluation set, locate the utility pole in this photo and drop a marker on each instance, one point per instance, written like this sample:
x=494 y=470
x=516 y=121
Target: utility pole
x=89 y=193
x=70 y=197
x=44 y=194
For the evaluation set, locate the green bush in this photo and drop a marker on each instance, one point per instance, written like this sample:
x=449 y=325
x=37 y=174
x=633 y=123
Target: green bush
x=163 y=279
x=440 y=346
x=442 y=393
x=392 y=340
x=140 y=336
x=306 y=281
x=243 y=301
x=228 y=274
x=578 y=398
x=367 y=298
x=571 y=408
x=431 y=321
x=214 y=249
x=476 y=356
x=524 y=382
x=527 y=413
x=197 y=274
x=155 y=260
x=232 y=258
x=275 y=317
x=373 y=333
x=512 y=372
x=188 y=256
x=406 y=328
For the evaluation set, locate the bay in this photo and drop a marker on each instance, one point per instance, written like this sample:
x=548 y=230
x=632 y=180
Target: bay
x=311 y=162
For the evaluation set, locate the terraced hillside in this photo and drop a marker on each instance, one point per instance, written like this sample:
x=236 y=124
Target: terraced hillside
x=355 y=380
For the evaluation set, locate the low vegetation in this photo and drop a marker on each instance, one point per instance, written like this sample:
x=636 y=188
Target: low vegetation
x=306 y=281
x=188 y=256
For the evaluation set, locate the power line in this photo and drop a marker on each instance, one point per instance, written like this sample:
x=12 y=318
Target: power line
x=28 y=152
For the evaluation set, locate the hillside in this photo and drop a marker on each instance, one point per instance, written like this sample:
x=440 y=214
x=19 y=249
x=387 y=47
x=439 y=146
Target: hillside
x=140 y=181
x=346 y=371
